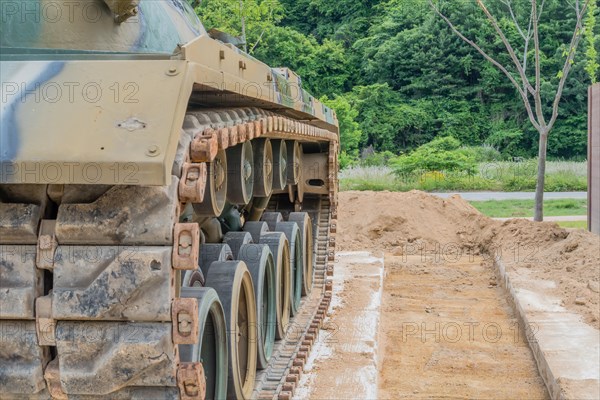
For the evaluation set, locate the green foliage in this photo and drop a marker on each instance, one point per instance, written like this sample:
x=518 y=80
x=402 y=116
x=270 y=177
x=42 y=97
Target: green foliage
x=226 y=15
x=399 y=77
x=490 y=176
x=441 y=155
x=323 y=67
x=482 y=154
x=378 y=159
x=524 y=208
x=346 y=160
x=507 y=140
x=350 y=132
x=591 y=65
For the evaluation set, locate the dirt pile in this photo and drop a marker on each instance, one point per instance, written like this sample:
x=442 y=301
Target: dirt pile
x=570 y=258
x=396 y=222
x=415 y=222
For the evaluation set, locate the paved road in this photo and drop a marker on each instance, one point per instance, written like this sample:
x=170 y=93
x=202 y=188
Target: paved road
x=483 y=196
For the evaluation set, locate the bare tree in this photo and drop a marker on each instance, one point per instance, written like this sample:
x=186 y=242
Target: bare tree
x=529 y=88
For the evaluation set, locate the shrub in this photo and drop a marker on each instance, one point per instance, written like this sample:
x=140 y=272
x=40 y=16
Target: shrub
x=485 y=153
x=442 y=154
x=378 y=159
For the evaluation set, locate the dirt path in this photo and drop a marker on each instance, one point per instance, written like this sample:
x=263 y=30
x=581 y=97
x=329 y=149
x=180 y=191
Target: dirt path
x=447 y=332
x=344 y=362
x=444 y=328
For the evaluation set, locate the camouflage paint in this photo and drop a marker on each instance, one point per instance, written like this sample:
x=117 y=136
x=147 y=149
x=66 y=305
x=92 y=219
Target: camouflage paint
x=82 y=92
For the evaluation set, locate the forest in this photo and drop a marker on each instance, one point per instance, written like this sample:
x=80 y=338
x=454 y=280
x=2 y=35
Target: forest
x=398 y=77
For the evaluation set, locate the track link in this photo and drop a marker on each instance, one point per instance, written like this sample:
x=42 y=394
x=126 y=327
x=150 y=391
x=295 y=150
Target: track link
x=279 y=380
x=89 y=277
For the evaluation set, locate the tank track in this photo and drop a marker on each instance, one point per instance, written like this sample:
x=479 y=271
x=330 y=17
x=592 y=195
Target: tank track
x=279 y=380
x=88 y=276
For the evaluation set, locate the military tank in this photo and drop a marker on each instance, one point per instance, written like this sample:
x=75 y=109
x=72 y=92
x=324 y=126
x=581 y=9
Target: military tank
x=168 y=208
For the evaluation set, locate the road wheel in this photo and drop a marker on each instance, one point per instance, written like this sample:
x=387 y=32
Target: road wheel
x=280 y=164
x=233 y=283
x=263 y=167
x=294 y=160
x=215 y=193
x=292 y=233
x=256 y=229
x=213 y=252
x=211 y=348
x=305 y=224
x=235 y=240
x=240 y=182
x=280 y=249
x=259 y=260
x=272 y=218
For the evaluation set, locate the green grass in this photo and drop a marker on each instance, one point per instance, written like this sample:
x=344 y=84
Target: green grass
x=524 y=208
x=573 y=224
x=562 y=176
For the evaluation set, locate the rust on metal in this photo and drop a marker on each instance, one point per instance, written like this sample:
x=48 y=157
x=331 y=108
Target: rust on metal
x=186 y=248
x=204 y=146
x=185 y=321
x=52 y=377
x=223 y=138
x=191 y=381
x=234 y=136
x=250 y=131
x=192 y=183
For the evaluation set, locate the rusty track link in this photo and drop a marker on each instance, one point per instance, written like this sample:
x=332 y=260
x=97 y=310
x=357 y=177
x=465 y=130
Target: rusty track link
x=279 y=380
x=88 y=275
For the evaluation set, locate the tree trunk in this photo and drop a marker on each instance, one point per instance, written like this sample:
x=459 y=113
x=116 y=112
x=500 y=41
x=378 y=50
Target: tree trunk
x=541 y=178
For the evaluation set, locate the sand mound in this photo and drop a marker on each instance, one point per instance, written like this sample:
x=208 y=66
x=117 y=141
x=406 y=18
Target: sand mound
x=399 y=223
x=388 y=221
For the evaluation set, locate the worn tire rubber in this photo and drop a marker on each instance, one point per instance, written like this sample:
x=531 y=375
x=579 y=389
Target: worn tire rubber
x=280 y=249
x=233 y=283
x=293 y=235
x=215 y=193
x=214 y=252
x=259 y=259
x=280 y=164
x=294 y=160
x=235 y=240
x=306 y=231
x=256 y=229
x=263 y=167
x=211 y=348
x=240 y=169
x=272 y=218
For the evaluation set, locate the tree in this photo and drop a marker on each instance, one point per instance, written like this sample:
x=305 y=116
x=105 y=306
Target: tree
x=350 y=133
x=591 y=66
x=530 y=88
x=249 y=19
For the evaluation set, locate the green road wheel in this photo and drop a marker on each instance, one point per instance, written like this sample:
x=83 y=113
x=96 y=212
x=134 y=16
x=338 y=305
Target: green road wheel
x=263 y=167
x=292 y=233
x=306 y=231
x=240 y=181
x=272 y=218
x=213 y=252
x=235 y=240
x=215 y=193
x=211 y=348
x=260 y=263
x=280 y=249
x=233 y=283
x=280 y=164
